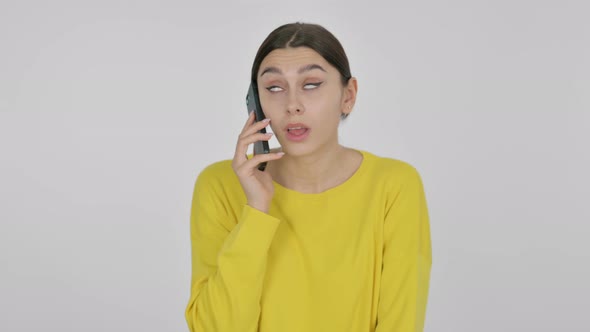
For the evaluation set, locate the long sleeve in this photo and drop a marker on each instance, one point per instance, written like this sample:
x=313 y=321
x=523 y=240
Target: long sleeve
x=407 y=258
x=228 y=261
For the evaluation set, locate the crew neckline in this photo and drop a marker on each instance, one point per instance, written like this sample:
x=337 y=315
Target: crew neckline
x=280 y=189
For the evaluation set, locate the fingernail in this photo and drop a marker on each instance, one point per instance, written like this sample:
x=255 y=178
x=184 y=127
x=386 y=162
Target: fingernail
x=266 y=120
x=280 y=153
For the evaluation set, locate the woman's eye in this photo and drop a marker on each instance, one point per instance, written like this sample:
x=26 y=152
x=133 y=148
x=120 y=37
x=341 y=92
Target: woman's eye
x=310 y=86
x=273 y=88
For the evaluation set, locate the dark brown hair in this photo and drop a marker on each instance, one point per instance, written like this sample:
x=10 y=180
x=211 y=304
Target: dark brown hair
x=309 y=35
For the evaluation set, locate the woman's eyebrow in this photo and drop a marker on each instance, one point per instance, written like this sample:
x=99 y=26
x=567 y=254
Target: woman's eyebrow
x=310 y=67
x=301 y=70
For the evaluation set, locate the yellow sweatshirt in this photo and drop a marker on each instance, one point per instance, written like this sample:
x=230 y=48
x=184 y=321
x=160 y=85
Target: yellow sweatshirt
x=355 y=257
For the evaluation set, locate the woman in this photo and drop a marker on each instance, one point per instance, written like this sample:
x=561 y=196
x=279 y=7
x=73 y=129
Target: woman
x=327 y=238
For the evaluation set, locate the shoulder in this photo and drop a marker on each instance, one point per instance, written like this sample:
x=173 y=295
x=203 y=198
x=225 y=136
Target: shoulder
x=392 y=176
x=398 y=181
x=217 y=168
x=391 y=169
x=216 y=174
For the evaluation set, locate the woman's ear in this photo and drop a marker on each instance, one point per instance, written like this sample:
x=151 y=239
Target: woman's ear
x=350 y=91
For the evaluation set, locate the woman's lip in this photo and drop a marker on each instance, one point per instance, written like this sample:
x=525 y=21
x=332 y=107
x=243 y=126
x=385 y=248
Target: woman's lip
x=298 y=138
x=295 y=125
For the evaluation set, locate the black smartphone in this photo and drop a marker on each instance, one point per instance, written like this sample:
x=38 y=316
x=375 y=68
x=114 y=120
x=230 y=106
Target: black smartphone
x=253 y=105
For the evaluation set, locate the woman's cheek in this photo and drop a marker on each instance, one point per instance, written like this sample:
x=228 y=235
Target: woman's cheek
x=271 y=107
x=267 y=104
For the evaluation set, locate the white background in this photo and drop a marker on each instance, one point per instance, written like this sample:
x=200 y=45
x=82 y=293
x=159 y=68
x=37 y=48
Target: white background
x=109 y=110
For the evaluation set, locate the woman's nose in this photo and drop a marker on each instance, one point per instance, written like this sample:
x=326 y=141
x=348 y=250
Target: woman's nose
x=294 y=105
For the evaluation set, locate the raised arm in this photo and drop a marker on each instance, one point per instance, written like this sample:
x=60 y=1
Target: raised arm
x=228 y=262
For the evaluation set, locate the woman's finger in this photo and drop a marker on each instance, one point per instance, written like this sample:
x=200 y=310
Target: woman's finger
x=241 y=155
x=257 y=159
x=255 y=127
x=249 y=121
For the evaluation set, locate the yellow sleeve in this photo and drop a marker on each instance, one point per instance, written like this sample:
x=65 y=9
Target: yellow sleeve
x=228 y=261
x=407 y=259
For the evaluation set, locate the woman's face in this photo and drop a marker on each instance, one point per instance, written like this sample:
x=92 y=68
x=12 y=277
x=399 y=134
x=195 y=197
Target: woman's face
x=297 y=85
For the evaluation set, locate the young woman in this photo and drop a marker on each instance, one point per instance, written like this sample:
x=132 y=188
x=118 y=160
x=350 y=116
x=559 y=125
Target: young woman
x=327 y=238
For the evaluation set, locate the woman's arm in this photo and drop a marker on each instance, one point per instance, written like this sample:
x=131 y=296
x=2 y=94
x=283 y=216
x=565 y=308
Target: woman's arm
x=228 y=264
x=407 y=258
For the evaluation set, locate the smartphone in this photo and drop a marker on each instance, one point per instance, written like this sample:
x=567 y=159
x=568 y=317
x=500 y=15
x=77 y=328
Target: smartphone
x=253 y=105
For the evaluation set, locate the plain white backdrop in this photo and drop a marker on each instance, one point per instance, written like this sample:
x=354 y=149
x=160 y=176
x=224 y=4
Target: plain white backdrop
x=110 y=109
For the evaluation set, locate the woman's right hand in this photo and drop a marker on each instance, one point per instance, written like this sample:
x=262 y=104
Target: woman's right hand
x=257 y=184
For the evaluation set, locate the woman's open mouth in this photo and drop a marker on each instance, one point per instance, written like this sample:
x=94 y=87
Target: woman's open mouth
x=297 y=134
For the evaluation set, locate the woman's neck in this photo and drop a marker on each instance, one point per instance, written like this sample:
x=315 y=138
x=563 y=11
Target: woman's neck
x=317 y=172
